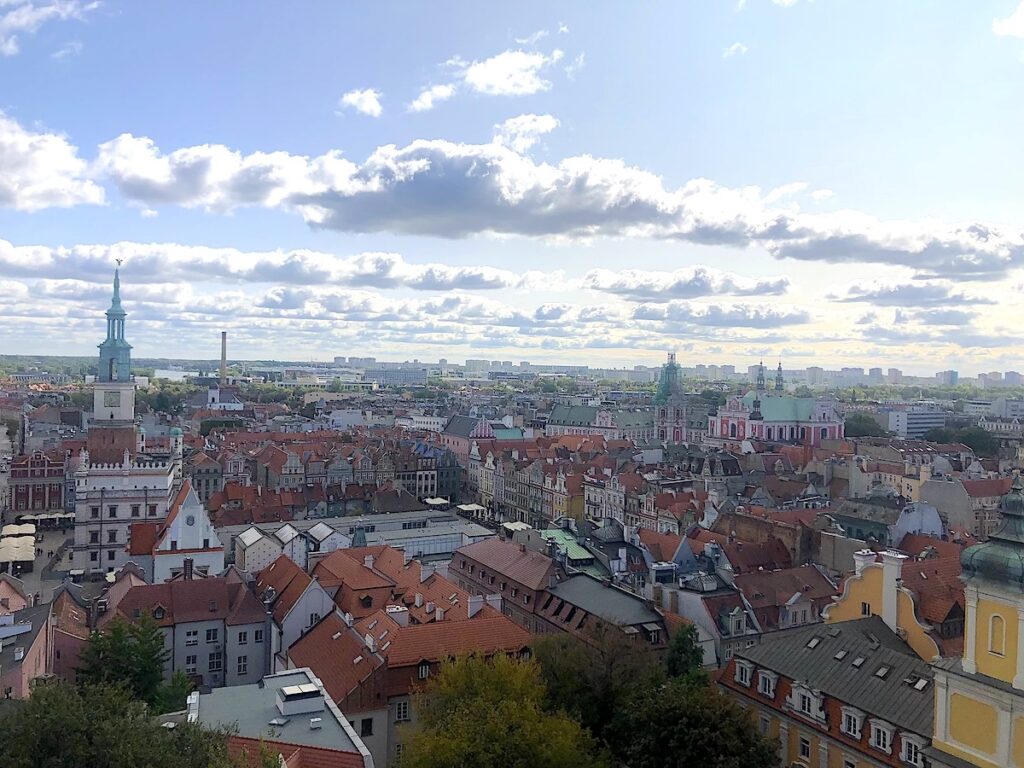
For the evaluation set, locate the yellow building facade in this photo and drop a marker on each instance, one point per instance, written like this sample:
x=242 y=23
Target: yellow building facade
x=875 y=590
x=979 y=698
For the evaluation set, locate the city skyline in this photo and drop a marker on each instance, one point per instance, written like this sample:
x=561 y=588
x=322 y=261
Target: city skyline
x=518 y=184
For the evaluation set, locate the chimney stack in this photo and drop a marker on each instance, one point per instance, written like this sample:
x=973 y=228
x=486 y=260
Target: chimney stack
x=223 y=358
x=186 y=567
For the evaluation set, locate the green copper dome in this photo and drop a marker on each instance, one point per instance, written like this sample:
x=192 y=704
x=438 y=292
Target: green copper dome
x=1001 y=558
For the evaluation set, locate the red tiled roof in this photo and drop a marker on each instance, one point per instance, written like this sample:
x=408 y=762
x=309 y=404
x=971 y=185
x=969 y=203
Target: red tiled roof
x=524 y=566
x=936 y=585
x=437 y=641
x=998 y=486
x=188 y=601
x=287 y=580
x=249 y=752
x=142 y=538
x=340 y=567
x=337 y=654
x=662 y=546
x=764 y=589
x=915 y=543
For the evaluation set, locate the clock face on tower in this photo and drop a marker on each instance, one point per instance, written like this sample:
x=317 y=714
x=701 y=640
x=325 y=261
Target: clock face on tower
x=111 y=399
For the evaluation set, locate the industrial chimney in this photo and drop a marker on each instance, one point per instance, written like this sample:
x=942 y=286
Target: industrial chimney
x=223 y=358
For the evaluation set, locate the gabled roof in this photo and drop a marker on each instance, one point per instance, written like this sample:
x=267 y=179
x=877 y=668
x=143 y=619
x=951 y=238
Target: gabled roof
x=340 y=567
x=409 y=645
x=773 y=589
x=515 y=562
x=794 y=655
x=997 y=486
x=288 y=582
x=337 y=654
x=208 y=599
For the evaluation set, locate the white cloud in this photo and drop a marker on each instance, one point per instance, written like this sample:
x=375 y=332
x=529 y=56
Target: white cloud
x=449 y=189
x=365 y=100
x=734 y=50
x=510 y=73
x=533 y=39
x=572 y=69
x=27 y=16
x=41 y=170
x=522 y=132
x=822 y=194
x=563 y=29
x=74 y=48
x=430 y=97
x=1012 y=25
x=686 y=283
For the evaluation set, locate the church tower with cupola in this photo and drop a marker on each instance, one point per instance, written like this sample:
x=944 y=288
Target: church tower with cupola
x=114 y=390
x=979 y=697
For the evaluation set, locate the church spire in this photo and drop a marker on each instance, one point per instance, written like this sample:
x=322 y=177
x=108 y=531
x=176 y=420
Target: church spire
x=115 y=352
x=760 y=377
x=778 y=378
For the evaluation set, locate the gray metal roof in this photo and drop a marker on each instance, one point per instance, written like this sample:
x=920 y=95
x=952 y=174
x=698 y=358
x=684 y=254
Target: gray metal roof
x=890 y=698
x=610 y=603
x=250 y=708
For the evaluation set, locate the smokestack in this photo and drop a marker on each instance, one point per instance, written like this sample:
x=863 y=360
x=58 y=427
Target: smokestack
x=223 y=358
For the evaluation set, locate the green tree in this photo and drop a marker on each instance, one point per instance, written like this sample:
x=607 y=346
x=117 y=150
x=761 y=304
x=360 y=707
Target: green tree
x=861 y=425
x=60 y=726
x=975 y=438
x=680 y=724
x=131 y=655
x=685 y=657
x=592 y=680
x=489 y=713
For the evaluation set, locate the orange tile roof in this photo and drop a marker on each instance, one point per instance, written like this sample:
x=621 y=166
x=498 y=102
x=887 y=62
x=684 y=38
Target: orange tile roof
x=287 y=580
x=437 y=641
x=337 y=654
x=340 y=567
x=529 y=568
x=662 y=546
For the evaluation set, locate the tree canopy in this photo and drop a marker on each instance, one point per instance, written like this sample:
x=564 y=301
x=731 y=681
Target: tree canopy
x=861 y=425
x=60 y=726
x=592 y=680
x=489 y=713
x=132 y=655
x=683 y=724
x=685 y=657
x=975 y=438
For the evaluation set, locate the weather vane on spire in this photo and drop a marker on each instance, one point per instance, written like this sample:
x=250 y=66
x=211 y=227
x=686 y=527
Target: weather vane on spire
x=118 y=261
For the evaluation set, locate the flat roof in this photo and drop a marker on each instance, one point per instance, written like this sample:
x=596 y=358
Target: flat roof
x=250 y=708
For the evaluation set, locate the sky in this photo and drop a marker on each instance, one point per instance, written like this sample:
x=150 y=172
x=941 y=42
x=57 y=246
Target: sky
x=825 y=182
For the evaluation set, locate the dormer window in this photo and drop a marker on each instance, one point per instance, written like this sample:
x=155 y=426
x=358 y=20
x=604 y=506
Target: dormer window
x=766 y=684
x=881 y=736
x=911 y=751
x=744 y=670
x=852 y=722
x=423 y=671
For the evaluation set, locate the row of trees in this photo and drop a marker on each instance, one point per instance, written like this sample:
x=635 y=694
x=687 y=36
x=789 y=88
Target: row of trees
x=605 y=702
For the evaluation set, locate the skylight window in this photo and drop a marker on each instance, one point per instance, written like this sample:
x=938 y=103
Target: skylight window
x=858 y=662
x=840 y=655
x=921 y=684
x=813 y=642
x=882 y=671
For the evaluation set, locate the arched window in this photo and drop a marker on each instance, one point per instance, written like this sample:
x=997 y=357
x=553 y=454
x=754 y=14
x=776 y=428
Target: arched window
x=824 y=433
x=732 y=429
x=803 y=432
x=996 y=635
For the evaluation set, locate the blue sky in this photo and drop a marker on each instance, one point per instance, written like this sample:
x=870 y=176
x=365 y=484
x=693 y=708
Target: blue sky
x=836 y=181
